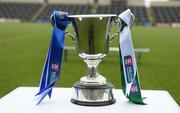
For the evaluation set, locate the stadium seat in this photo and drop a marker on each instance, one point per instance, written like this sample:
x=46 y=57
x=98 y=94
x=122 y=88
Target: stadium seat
x=23 y=11
x=139 y=12
x=71 y=8
x=166 y=14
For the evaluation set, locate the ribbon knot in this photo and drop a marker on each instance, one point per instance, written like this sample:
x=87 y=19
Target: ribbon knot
x=59 y=19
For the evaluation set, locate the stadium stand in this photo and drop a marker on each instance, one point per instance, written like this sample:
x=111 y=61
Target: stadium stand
x=71 y=8
x=139 y=12
x=114 y=9
x=23 y=11
x=37 y=11
x=166 y=14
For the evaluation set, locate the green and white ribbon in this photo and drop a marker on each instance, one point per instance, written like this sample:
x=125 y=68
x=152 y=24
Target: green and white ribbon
x=129 y=76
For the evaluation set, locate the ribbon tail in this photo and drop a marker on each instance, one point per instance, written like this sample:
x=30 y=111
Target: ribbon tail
x=42 y=94
x=45 y=74
x=137 y=98
x=50 y=93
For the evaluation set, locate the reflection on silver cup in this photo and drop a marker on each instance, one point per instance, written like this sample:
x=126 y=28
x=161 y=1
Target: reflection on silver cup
x=93 y=33
x=92 y=44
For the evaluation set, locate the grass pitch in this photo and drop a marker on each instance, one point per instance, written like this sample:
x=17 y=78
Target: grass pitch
x=23 y=48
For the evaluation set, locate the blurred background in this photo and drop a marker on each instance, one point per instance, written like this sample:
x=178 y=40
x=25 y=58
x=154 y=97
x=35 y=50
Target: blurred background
x=25 y=33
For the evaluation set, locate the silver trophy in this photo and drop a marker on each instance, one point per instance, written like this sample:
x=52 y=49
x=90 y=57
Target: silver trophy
x=92 y=36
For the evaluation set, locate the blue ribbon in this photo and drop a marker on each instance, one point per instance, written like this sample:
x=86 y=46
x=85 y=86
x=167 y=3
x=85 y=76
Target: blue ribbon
x=52 y=66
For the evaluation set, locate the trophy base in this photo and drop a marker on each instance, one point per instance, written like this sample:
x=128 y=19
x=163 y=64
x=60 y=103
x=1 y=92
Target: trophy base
x=104 y=103
x=93 y=94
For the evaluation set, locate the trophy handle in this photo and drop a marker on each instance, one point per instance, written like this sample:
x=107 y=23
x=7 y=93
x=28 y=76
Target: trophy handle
x=70 y=35
x=132 y=20
x=118 y=24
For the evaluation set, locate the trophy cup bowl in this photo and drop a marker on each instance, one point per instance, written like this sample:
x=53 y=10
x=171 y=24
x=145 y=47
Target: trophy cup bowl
x=92 y=36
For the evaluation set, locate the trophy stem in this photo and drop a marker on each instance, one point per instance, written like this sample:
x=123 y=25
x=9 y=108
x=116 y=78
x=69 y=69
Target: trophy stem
x=92 y=67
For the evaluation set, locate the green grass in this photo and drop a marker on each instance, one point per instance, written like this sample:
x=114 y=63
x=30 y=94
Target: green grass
x=23 y=49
